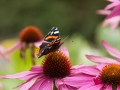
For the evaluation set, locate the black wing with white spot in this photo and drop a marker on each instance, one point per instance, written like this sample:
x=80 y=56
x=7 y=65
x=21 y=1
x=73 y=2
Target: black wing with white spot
x=52 y=35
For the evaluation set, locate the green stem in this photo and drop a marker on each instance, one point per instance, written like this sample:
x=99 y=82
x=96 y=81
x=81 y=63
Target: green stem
x=114 y=87
x=54 y=87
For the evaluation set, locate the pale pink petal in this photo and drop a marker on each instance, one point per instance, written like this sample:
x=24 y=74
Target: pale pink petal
x=17 y=45
x=114 y=12
x=75 y=81
x=2 y=53
x=104 y=12
x=113 y=22
x=100 y=66
x=111 y=50
x=95 y=87
x=90 y=70
x=112 y=0
x=42 y=84
x=18 y=75
x=100 y=59
x=61 y=86
x=47 y=85
x=118 y=87
x=37 y=44
x=27 y=84
x=75 y=69
x=86 y=86
x=64 y=50
x=112 y=5
x=109 y=87
x=36 y=68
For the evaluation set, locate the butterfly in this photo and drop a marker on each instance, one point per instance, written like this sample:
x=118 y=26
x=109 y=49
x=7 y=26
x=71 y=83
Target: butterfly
x=52 y=42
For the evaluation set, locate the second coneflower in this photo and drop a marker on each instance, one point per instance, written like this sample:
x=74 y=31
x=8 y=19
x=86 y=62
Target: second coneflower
x=101 y=77
x=56 y=71
x=29 y=36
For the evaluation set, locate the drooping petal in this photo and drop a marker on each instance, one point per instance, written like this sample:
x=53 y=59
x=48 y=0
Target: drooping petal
x=36 y=68
x=95 y=87
x=100 y=66
x=86 y=86
x=17 y=45
x=64 y=50
x=26 y=85
x=109 y=87
x=37 y=44
x=75 y=81
x=118 y=87
x=61 y=86
x=47 y=85
x=2 y=53
x=103 y=12
x=18 y=75
x=112 y=5
x=42 y=84
x=113 y=22
x=115 y=11
x=111 y=50
x=100 y=59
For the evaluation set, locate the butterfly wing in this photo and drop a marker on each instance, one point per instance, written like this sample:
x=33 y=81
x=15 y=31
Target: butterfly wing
x=52 y=35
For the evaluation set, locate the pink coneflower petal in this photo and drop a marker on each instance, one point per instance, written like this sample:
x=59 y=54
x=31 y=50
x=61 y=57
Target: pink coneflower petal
x=16 y=45
x=64 y=50
x=37 y=44
x=112 y=0
x=99 y=59
x=118 y=87
x=109 y=87
x=111 y=50
x=36 y=68
x=86 y=86
x=115 y=12
x=61 y=86
x=27 y=84
x=76 y=81
x=89 y=70
x=113 y=22
x=42 y=84
x=115 y=3
x=103 y=12
x=18 y=75
x=95 y=87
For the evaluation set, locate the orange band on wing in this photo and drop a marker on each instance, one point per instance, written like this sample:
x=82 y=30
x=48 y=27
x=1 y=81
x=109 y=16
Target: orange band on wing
x=51 y=37
x=37 y=51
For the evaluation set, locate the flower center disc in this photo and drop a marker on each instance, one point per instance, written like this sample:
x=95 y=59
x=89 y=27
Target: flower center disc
x=56 y=65
x=30 y=34
x=110 y=74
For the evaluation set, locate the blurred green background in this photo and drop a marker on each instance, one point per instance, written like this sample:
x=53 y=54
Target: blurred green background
x=77 y=18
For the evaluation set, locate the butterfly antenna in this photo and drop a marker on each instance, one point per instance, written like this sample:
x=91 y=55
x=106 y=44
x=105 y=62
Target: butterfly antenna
x=65 y=38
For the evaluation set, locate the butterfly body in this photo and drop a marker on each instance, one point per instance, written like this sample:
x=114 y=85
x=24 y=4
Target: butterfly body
x=52 y=42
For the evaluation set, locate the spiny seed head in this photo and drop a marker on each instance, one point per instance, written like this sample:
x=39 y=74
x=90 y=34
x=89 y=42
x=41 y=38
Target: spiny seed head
x=30 y=34
x=110 y=74
x=56 y=65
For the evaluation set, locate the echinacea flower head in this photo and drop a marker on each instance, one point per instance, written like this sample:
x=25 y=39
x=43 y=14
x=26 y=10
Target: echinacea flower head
x=56 y=71
x=101 y=77
x=29 y=37
x=111 y=50
x=113 y=14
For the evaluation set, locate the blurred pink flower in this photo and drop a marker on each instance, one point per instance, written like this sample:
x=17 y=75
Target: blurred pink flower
x=111 y=50
x=56 y=70
x=2 y=53
x=30 y=37
x=113 y=16
x=100 y=77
